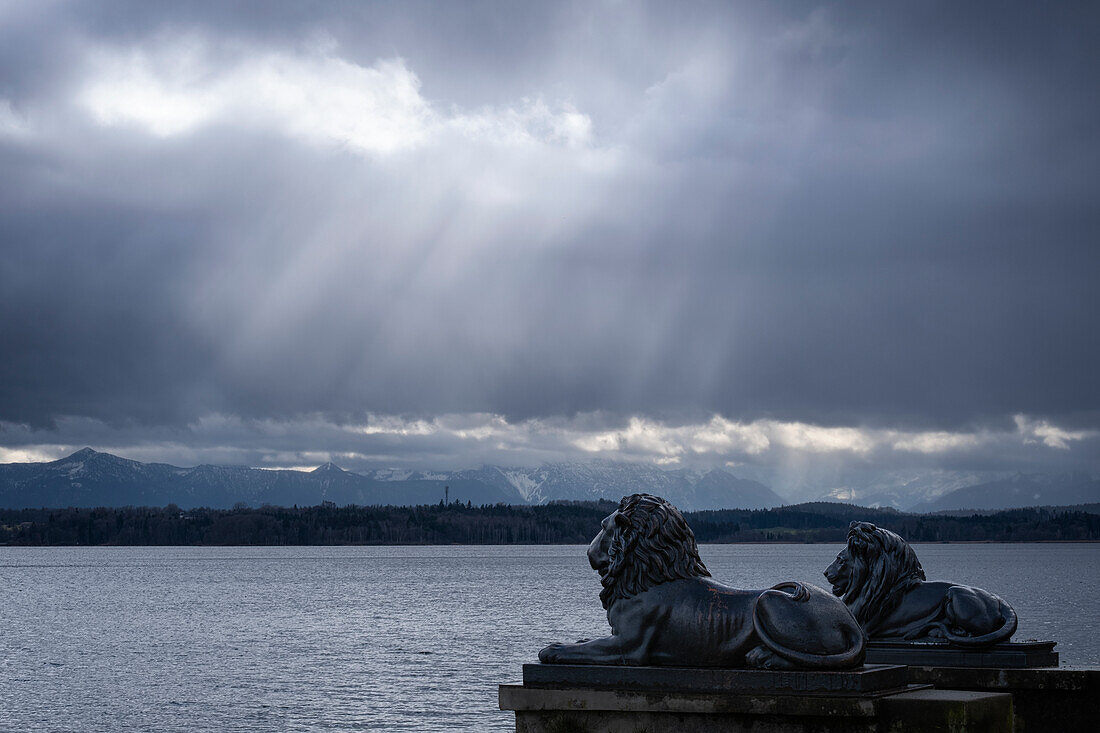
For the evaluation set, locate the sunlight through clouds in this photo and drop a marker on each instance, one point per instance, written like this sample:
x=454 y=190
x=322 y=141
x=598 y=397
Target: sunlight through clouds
x=37 y=454
x=317 y=97
x=434 y=235
x=935 y=442
x=801 y=457
x=1050 y=435
x=816 y=439
x=639 y=438
x=394 y=426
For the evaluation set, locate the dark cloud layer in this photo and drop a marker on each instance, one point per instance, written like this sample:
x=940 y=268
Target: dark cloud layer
x=824 y=213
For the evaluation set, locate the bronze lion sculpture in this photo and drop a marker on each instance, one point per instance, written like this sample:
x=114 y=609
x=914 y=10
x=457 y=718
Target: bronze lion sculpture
x=664 y=609
x=878 y=576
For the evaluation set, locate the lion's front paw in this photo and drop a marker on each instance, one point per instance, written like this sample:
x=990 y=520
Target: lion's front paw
x=551 y=654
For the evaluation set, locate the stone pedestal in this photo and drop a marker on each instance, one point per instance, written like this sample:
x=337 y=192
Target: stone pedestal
x=1045 y=697
x=591 y=699
x=1009 y=655
x=1062 y=700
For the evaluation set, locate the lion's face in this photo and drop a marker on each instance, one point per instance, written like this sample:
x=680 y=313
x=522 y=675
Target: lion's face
x=599 y=550
x=643 y=543
x=839 y=574
x=872 y=572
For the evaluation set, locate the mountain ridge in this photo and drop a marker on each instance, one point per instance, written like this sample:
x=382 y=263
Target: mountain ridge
x=91 y=478
x=1034 y=489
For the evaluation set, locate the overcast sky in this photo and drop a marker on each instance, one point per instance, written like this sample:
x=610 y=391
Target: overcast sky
x=798 y=239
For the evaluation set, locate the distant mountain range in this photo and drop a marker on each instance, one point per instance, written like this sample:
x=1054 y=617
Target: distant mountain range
x=89 y=478
x=948 y=492
x=901 y=489
x=1022 y=489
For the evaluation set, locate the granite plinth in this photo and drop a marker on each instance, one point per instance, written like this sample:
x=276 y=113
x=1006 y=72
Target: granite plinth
x=861 y=681
x=1008 y=655
x=1062 y=700
x=587 y=710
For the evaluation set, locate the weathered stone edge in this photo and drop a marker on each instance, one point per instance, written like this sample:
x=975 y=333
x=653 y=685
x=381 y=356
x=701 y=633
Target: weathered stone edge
x=859 y=681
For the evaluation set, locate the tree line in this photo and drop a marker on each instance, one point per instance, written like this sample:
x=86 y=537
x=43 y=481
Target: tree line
x=455 y=523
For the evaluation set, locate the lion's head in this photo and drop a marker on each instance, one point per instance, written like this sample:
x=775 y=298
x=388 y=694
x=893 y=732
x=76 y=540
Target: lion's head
x=643 y=543
x=873 y=572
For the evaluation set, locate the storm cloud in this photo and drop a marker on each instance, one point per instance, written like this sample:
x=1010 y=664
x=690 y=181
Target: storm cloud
x=588 y=216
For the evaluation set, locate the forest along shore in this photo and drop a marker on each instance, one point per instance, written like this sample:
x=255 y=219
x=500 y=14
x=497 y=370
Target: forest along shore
x=501 y=524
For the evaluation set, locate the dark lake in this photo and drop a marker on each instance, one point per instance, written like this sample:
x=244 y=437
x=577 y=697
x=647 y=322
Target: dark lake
x=378 y=638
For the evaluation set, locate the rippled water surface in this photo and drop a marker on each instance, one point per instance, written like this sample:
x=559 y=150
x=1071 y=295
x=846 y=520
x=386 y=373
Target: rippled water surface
x=377 y=638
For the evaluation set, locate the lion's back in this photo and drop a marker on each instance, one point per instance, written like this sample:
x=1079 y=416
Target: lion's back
x=807 y=620
x=700 y=619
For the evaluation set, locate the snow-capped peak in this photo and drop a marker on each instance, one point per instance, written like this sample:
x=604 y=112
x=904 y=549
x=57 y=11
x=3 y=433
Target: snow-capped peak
x=522 y=481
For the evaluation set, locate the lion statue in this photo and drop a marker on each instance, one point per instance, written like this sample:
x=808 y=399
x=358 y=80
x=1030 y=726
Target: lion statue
x=878 y=576
x=664 y=609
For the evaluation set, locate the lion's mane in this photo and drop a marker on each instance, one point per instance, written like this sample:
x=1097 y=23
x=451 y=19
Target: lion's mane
x=882 y=569
x=652 y=544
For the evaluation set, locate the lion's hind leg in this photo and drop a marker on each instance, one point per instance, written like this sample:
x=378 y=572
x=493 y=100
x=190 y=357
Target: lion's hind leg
x=807 y=627
x=976 y=617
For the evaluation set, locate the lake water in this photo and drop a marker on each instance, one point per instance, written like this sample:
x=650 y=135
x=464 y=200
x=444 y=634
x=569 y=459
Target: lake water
x=378 y=638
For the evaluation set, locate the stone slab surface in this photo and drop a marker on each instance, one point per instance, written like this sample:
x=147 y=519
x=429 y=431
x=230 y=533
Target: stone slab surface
x=541 y=710
x=1069 y=679
x=943 y=654
x=612 y=722
x=523 y=698
x=947 y=710
x=1063 y=700
x=863 y=680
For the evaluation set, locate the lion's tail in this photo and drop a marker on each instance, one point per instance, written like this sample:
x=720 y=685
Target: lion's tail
x=844 y=660
x=808 y=610
x=1007 y=629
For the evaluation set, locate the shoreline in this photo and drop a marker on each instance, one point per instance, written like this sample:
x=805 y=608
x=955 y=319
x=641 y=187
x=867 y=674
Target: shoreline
x=552 y=544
